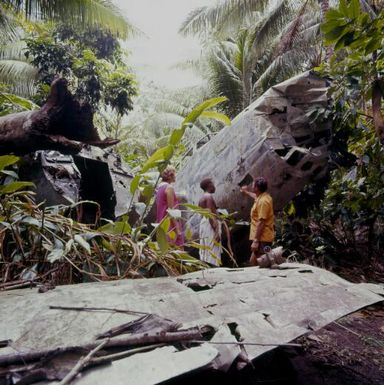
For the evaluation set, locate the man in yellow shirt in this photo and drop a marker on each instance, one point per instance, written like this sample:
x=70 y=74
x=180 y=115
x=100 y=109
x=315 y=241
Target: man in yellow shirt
x=262 y=232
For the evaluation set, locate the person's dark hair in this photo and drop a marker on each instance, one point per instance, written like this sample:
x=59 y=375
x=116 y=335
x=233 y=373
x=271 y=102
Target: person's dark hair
x=261 y=184
x=204 y=184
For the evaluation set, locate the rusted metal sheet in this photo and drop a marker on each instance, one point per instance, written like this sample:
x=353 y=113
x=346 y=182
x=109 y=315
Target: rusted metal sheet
x=251 y=305
x=274 y=137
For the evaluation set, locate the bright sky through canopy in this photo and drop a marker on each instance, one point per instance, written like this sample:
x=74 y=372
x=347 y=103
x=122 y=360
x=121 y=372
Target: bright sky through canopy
x=153 y=56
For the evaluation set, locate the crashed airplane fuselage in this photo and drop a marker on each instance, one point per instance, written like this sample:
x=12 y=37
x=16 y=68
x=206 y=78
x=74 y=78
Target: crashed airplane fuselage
x=275 y=137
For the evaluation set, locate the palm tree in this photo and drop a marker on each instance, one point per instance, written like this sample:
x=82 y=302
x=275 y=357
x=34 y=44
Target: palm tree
x=16 y=16
x=102 y=13
x=269 y=42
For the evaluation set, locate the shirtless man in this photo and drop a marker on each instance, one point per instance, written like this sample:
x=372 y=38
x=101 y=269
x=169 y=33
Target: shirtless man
x=210 y=229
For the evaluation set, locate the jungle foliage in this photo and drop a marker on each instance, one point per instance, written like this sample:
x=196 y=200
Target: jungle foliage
x=47 y=243
x=90 y=60
x=247 y=47
x=347 y=224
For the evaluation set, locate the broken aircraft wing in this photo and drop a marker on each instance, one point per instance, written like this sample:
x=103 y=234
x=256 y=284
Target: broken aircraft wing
x=249 y=311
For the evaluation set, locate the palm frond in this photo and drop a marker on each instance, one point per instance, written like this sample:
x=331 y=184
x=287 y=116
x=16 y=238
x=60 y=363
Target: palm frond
x=197 y=66
x=8 y=24
x=102 y=13
x=219 y=16
x=160 y=124
x=283 y=67
x=269 y=27
x=19 y=75
x=226 y=80
x=172 y=107
x=13 y=51
x=291 y=32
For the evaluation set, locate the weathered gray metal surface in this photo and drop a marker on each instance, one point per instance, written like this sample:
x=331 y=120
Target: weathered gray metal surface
x=93 y=174
x=266 y=306
x=274 y=137
x=108 y=169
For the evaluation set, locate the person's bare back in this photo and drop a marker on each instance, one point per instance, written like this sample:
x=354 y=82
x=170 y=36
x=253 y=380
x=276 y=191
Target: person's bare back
x=207 y=202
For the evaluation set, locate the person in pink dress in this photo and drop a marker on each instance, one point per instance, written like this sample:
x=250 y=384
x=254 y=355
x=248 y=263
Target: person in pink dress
x=166 y=199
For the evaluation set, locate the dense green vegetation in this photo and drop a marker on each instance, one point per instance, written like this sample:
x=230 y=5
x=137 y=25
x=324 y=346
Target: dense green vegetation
x=248 y=46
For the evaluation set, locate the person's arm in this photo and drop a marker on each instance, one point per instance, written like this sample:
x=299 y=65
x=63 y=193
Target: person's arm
x=170 y=194
x=244 y=189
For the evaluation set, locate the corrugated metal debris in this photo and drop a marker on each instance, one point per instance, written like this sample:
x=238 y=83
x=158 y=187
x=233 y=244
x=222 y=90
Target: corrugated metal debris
x=238 y=314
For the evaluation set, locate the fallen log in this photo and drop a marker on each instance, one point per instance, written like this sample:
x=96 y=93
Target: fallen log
x=62 y=124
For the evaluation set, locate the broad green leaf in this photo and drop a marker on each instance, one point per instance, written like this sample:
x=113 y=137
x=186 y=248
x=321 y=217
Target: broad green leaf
x=331 y=25
x=217 y=116
x=7 y=160
x=161 y=155
x=354 y=9
x=372 y=45
x=199 y=246
x=108 y=245
x=165 y=224
x=188 y=233
x=343 y=7
x=176 y=136
x=345 y=40
x=148 y=191
x=135 y=184
x=196 y=112
x=334 y=15
x=161 y=238
x=23 y=103
x=199 y=210
x=291 y=210
x=334 y=34
x=14 y=186
x=172 y=234
x=117 y=228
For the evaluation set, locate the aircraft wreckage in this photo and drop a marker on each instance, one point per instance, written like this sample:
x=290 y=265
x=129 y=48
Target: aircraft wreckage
x=148 y=331
x=276 y=137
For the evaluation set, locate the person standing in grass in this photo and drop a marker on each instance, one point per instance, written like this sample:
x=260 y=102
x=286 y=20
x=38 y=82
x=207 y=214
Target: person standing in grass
x=262 y=232
x=210 y=228
x=166 y=199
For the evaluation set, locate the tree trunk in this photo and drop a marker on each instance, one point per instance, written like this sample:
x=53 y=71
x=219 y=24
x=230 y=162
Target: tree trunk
x=62 y=124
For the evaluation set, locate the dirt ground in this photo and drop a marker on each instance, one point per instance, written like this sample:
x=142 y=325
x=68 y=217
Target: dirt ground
x=347 y=352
